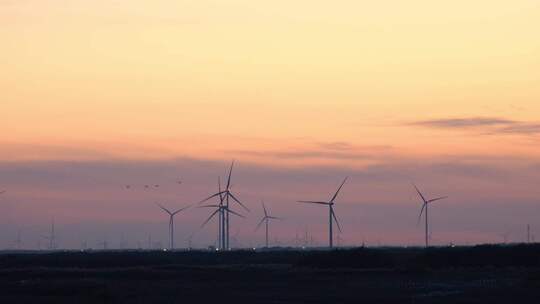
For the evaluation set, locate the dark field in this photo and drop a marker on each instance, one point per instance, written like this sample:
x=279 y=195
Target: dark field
x=482 y=274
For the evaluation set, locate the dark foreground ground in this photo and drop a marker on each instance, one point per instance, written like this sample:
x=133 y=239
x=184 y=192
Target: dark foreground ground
x=482 y=274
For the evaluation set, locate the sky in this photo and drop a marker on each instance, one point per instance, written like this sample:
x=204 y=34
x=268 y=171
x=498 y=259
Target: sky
x=96 y=95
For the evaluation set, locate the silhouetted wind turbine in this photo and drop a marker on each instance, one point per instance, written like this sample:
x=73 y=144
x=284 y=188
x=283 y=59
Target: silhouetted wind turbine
x=221 y=221
x=331 y=215
x=425 y=205
x=51 y=238
x=225 y=195
x=266 y=220
x=220 y=210
x=171 y=222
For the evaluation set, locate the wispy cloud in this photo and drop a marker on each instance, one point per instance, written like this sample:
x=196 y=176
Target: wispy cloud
x=327 y=150
x=302 y=154
x=337 y=145
x=522 y=128
x=492 y=125
x=461 y=123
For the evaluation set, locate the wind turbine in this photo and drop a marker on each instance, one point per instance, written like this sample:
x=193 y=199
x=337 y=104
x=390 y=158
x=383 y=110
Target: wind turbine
x=52 y=237
x=225 y=196
x=266 y=219
x=171 y=222
x=425 y=205
x=331 y=214
x=221 y=210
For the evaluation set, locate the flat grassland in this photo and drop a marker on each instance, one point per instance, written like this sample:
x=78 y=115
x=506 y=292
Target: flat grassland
x=480 y=274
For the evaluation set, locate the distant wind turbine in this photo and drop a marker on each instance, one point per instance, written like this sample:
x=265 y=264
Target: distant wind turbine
x=425 y=204
x=225 y=195
x=171 y=222
x=331 y=215
x=266 y=219
x=18 y=241
x=51 y=237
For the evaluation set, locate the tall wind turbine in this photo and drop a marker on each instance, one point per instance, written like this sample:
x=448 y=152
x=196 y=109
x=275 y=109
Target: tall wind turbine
x=226 y=195
x=425 y=205
x=171 y=222
x=221 y=221
x=266 y=219
x=331 y=214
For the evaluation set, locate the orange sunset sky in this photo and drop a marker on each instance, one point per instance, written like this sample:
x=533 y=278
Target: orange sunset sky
x=442 y=92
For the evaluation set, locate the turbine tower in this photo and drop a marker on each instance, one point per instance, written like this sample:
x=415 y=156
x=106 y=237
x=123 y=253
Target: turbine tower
x=331 y=214
x=266 y=219
x=221 y=221
x=425 y=204
x=226 y=196
x=528 y=234
x=171 y=222
x=221 y=210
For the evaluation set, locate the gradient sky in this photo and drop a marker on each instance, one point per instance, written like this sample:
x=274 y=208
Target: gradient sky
x=99 y=94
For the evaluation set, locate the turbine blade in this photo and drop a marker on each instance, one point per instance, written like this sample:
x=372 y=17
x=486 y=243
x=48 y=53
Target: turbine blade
x=211 y=197
x=180 y=210
x=274 y=218
x=264 y=209
x=221 y=198
x=164 y=209
x=420 y=193
x=260 y=223
x=421 y=211
x=230 y=174
x=209 y=218
x=335 y=218
x=236 y=200
x=339 y=189
x=437 y=199
x=209 y=206
x=235 y=213
x=313 y=202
